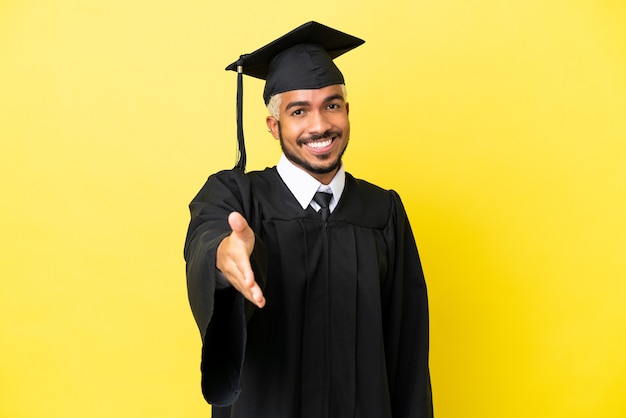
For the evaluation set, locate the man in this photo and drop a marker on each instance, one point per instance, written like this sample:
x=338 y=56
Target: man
x=305 y=282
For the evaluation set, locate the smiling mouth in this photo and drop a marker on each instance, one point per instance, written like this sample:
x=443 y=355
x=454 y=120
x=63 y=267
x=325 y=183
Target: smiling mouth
x=320 y=144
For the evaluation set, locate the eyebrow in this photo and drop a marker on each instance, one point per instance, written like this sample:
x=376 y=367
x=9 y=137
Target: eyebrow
x=296 y=104
x=334 y=97
x=306 y=103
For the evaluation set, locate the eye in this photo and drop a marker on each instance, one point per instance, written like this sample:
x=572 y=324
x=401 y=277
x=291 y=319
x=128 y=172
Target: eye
x=333 y=106
x=297 y=112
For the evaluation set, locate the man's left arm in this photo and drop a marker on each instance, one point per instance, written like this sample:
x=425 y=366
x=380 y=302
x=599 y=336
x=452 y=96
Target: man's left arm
x=407 y=324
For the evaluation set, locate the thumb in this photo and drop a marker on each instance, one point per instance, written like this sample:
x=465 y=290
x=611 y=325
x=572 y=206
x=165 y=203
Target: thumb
x=240 y=227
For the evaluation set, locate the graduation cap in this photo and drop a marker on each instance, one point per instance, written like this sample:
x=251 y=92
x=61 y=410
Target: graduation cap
x=299 y=60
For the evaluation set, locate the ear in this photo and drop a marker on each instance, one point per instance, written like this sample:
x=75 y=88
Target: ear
x=347 y=108
x=272 y=126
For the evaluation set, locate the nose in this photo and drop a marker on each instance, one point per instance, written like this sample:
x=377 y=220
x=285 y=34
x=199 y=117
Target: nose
x=319 y=123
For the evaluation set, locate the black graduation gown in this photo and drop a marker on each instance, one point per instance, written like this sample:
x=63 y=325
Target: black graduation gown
x=344 y=332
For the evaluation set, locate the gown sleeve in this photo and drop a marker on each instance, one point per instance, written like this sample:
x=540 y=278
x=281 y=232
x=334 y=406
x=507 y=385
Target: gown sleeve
x=405 y=305
x=221 y=314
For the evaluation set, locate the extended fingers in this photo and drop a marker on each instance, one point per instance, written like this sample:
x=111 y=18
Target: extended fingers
x=253 y=292
x=249 y=288
x=239 y=273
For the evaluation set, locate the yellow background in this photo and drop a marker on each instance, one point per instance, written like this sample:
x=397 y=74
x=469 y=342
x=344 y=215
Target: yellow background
x=501 y=124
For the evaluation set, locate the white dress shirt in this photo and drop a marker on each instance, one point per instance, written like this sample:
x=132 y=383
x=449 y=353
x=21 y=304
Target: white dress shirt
x=303 y=186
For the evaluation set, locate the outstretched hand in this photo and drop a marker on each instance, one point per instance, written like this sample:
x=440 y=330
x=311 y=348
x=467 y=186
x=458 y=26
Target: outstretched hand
x=233 y=259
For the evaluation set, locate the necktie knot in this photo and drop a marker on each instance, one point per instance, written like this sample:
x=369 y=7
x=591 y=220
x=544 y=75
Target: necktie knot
x=323 y=199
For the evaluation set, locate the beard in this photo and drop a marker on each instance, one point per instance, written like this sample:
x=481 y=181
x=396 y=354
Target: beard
x=329 y=168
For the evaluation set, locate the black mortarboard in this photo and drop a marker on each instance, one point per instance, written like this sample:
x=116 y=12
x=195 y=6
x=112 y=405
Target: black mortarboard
x=301 y=59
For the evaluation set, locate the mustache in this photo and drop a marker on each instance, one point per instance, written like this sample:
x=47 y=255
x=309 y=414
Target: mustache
x=316 y=137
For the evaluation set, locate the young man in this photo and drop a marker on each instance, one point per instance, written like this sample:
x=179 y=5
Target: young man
x=305 y=282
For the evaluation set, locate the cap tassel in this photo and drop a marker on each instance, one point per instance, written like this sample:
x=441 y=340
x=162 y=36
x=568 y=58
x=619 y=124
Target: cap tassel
x=241 y=163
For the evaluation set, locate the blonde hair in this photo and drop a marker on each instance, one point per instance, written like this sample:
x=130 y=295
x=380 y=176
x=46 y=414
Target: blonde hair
x=273 y=106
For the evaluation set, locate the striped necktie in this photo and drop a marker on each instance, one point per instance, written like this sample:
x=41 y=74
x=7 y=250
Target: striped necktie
x=323 y=199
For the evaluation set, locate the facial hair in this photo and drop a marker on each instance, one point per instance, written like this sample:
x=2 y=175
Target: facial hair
x=334 y=165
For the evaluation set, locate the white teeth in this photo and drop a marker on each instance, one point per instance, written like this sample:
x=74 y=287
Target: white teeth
x=320 y=144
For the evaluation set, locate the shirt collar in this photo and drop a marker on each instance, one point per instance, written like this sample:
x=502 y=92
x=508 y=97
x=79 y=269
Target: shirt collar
x=303 y=186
